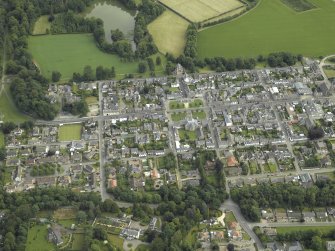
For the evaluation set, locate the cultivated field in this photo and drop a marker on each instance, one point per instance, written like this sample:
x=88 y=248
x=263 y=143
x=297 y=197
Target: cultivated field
x=273 y=27
x=69 y=132
x=169 y=33
x=71 y=53
x=41 y=25
x=201 y=10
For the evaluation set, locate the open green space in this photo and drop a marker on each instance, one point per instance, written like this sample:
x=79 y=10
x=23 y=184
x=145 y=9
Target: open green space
x=116 y=241
x=329 y=71
x=42 y=25
x=187 y=135
x=176 y=105
x=299 y=5
x=71 y=53
x=272 y=27
x=37 y=239
x=91 y=100
x=323 y=229
x=229 y=217
x=169 y=33
x=8 y=110
x=195 y=103
x=199 y=115
x=69 y=132
x=78 y=242
x=2 y=139
x=270 y=167
x=178 y=116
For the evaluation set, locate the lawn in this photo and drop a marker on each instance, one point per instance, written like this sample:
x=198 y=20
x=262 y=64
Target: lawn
x=176 y=105
x=91 y=100
x=187 y=135
x=200 y=10
x=2 y=139
x=69 y=132
x=71 y=53
x=42 y=25
x=78 y=241
x=178 y=116
x=229 y=217
x=8 y=110
x=195 y=103
x=169 y=33
x=37 y=239
x=330 y=73
x=270 y=167
x=323 y=229
x=116 y=241
x=271 y=27
x=199 y=115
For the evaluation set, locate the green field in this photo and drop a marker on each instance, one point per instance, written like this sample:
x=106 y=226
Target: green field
x=71 y=53
x=169 y=33
x=69 y=132
x=271 y=27
x=323 y=229
x=200 y=115
x=8 y=110
x=2 y=139
x=116 y=241
x=178 y=116
x=37 y=239
x=78 y=242
x=187 y=135
x=41 y=25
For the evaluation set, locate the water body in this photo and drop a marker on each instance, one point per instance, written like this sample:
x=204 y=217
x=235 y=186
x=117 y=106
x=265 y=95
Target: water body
x=115 y=16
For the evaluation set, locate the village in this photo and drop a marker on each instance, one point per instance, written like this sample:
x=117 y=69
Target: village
x=141 y=134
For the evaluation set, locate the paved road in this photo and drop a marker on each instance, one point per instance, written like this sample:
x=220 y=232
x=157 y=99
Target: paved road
x=293 y=224
x=230 y=205
x=3 y=75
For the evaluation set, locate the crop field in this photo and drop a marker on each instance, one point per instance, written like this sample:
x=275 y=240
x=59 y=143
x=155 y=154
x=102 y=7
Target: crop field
x=71 y=53
x=271 y=27
x=69 y=132
x=41 y=25
x=169 y=33
x=8 y=110
x=201 y=10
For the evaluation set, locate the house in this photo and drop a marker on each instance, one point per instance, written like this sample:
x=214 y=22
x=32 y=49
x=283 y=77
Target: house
x=295 y=246
x=112 y=183
x=55 y=235
x=308 y=216
x=275 y=246
x=321 y=215
x=131 y=233
x=231 y=161
x=294 y=216
x=330 y=245
x=269 y=231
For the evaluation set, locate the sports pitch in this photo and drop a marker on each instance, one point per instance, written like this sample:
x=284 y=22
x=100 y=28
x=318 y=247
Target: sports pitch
x=201 y=10
x=271 y=27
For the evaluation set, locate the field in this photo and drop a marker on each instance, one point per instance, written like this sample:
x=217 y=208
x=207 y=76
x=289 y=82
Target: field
x=2 y=139
x=299 y=5
x=8 y=110
x=116 y=241
x=37 y=239
x=71 y=53
x=201 y=10
x=169 y=33
x=323 y=229
x=272 y=27
x=187 y=135
x=41 y=25
x=178 y=116
x=69 y=132
x=200 y=115
x=78 y=241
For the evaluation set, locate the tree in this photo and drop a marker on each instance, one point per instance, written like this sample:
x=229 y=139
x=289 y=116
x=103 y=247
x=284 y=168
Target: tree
x=158 y=60
x=117 y=35
x=316 y=133
x=81 y=217
x=88 y=74
x=2 y=153
x=55 y=76
x=142 y=67
x=151 y=64
x=230 y=247
x=316 y=243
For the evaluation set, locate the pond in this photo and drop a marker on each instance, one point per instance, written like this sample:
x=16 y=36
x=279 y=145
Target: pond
x=114 y=16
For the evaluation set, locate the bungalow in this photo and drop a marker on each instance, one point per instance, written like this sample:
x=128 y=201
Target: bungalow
x=55 y=235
